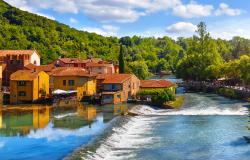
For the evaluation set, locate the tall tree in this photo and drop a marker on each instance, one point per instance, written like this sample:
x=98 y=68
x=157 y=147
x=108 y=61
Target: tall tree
x=121 y=60
x=201 y=53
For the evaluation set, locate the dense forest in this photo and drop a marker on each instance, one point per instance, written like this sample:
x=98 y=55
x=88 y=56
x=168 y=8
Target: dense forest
x=198 y=57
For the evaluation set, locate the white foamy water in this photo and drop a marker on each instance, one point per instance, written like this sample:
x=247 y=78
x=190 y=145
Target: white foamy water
x=125 y=140
x=65 y=115
x=147 y=110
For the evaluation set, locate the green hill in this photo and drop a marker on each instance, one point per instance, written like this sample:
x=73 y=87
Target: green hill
x=23 y=30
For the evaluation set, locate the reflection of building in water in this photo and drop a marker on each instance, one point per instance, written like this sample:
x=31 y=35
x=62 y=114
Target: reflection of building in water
x=113 y=110
x=19 y=121
x=88 y=112
x=74 y=117
x=120 y=110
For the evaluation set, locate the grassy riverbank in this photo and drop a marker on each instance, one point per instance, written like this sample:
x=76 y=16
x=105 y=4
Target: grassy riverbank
x=176 y=104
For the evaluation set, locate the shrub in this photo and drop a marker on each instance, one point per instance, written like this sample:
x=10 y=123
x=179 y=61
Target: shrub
x=228 y=92
x=158 y=96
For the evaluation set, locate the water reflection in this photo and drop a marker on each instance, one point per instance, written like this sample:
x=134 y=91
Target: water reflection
x=21 y=120
x=18 y=121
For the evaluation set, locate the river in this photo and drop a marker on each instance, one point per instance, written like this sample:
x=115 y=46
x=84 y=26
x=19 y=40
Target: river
x=207 y=127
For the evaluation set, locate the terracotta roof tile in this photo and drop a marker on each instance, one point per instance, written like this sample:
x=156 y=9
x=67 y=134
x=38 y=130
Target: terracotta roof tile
x=102 y=76
x=71 y=71
x=73 y=60
x=117 y=78
x=17 y=52
x=92 y=64
x=156 y=84
x=45 y=68
x=24 y=75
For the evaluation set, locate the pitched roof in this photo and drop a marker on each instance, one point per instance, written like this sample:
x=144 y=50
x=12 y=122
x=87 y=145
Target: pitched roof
x=17 y=52
x=95 y=60
x=117 y=78
x=24 y=75
x=156 y=84
x=71 y=71
x=92 y=64
x=102 y=76
x=73 y=60
x=45 y=68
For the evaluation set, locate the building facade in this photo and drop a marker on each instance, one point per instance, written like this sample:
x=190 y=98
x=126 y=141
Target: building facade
x=15 y=60
x=118 y=88
x=28 y=86
x=73 y=78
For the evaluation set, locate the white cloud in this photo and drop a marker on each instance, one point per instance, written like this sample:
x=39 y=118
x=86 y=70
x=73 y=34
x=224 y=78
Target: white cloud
x=181 y=27
x=105 y=30
x=46 y=15
x=226 y=10
x=100 y=10
x=73 y=20
x=193 y=9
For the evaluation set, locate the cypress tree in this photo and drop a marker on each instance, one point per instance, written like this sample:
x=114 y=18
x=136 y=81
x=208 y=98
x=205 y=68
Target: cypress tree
x=121 y=60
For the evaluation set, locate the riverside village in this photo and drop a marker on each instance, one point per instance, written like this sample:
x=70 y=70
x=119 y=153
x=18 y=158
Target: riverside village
x=91 y=80
x=124 y=80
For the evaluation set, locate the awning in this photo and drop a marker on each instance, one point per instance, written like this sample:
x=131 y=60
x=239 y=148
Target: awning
x=59 y=91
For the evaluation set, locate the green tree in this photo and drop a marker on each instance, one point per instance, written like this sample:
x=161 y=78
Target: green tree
x=201 y=54
x=121 y=60
x=140 y=69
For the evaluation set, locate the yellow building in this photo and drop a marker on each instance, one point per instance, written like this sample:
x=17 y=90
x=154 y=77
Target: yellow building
x=74 y=79
x=28 y=86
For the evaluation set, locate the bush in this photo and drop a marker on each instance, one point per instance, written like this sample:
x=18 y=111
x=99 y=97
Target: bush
x=248 y=99
x=228 y=92
x=158 y=96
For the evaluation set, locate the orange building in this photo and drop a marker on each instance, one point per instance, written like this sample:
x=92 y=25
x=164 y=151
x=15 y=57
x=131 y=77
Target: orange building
x=158 y=84
x=28 y=86
x=74 y=78
x=70 y=62
x=15 y=60
x=100 y=68
x=119 y=88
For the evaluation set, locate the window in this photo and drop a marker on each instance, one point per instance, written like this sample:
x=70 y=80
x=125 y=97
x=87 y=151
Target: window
x=71 y=82
x=34 y=62
x=114 y=87
x=22 y=93
x=119 y=96
x=21 y=83
x=64 y=82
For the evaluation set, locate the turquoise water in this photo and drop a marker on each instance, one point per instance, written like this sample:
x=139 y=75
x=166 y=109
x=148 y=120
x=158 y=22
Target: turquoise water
x=47 y=132
x=208 y=127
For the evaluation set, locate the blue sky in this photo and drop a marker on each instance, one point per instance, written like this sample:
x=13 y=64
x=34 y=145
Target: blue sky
x=174 y=18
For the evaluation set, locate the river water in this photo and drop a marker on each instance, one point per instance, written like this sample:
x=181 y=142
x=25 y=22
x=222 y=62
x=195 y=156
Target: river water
x=207 y=127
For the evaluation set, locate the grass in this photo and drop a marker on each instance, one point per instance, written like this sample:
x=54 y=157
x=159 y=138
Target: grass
x=248 y=99
x=177 y=103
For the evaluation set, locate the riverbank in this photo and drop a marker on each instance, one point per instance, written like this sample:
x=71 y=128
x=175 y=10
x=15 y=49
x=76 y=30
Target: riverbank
x=226 y=91
x=176 y=104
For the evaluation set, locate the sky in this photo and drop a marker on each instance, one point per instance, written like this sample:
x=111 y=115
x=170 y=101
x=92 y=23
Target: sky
x=147 y=18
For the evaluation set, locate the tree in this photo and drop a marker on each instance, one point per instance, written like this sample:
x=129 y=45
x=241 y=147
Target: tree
x=201 y=54
x=140 y=69
x=121 y=60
